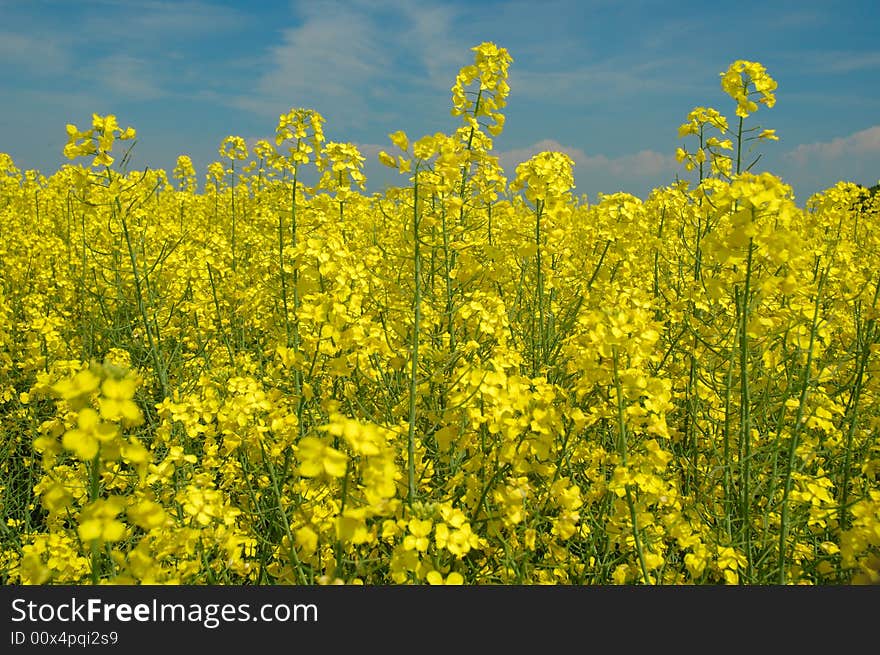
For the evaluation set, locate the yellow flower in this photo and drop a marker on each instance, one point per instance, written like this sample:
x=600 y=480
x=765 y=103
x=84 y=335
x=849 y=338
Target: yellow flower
x=147 y=514
x=32 y=569
x=317 y=458
x=306 y=539
x=98 y=521
x=233 y=147
x=199 y=504
x=363 y=438
x=351 y=527
x=387 y=160
x=428 y=146
x=457 y=541
x=436 y=578
x=56 y=498
x=399 y=139
x=90 y=432
x=82 y=384
x=696 y=561
x=116 y=401
x=735 y=81
x=418 y=537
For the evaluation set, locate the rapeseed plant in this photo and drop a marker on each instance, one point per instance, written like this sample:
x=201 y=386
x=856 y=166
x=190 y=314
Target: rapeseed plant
x=459 y=381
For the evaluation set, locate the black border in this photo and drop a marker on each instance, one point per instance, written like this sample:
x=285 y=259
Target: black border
x=455 y=620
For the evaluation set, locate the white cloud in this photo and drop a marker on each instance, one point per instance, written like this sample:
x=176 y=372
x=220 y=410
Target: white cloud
x=431 y=36
x=607 y=83
x=128 y=77
x=846 y=62
x=251 y=142
x=371 y=60
x=33 y=54
x=829 y=63
x=153 y=20
x=370 y=151
x=327 y=60
x=645 y=163
x=510 y=159
x=343 y=60
x=865 y=142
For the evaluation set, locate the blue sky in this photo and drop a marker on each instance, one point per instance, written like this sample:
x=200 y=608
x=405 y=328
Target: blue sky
x=606 y=82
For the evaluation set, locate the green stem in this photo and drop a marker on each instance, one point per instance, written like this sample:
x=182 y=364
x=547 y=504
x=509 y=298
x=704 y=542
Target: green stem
x=417 y=316
x=541 y=340
x=792 y=449
x=745 y=412
x=158 y=363
x=739 y=133
x=94 y=491
x=283 y=278
x=220 y=318
x=728 y=464
x=233 y=217
x=622 y=447
x=276 y=488
x=297 y=374
x=853 y=411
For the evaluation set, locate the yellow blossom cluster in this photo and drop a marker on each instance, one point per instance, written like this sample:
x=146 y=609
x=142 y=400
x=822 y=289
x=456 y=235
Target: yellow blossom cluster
x=462 y=380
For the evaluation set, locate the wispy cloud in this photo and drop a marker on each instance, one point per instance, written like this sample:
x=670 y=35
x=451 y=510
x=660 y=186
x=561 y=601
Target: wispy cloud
x=865 y=142
x=134 y=50
x=329 y=59
x=383 y=58
x=607 y=82
x=645 y=163
x=847 y=62
x=510 y=159
x=350 y=59
x=836 y=61
x=35 y=55
x=156 y=20
x=370 y=151
x=431 y=37
x=128 y=77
